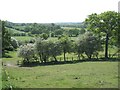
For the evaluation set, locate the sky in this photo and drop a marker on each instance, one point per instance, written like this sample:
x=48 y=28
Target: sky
x=52 y=11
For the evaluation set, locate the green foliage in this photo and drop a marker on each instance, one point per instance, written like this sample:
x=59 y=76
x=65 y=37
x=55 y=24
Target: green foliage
x=42 y=28
x=73 y=32
x=55 y=49
x=92 y=44
x=82 y=31
x=0 y=38
x=6 y=38
x=27 y=29
x=88 y=43
x=44 y=36
x=42 y=47
x=14 y=32
x=49 y=48
x=58 y=32
x=103 y=23
x=14 y=43
x=66 y=45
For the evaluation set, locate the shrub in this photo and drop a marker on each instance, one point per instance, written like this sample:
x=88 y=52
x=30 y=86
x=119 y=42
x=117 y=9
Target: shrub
x=44 y=36
x=55 y=49
x=88 y=43
x=27 y=52
x=10 y=48
x=14 y=43
x=32 y=41
x=42 y=47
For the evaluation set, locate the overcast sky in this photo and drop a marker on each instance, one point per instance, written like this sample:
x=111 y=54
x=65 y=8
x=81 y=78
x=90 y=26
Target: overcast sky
x=51 y=11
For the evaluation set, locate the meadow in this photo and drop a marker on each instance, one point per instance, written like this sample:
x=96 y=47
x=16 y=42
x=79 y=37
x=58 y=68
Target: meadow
x=79 y=75
x=23 y=38
x=87 y=74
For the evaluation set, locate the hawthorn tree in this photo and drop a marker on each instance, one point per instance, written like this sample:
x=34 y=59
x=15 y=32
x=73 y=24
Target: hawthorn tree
x=55 y=49
x=66 y=45
x=89 y=44
x=27 y=52
x=14 y=43
x=79 y=46
x=42 y=49
x=92 y=44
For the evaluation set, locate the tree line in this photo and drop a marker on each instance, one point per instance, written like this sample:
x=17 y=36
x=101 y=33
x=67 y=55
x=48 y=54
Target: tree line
x=87 y=43
x=32 y=29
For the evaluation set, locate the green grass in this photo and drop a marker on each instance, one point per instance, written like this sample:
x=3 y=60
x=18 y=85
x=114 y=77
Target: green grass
x=53 y=38
x=80 y=75
x=5 y=82
x=0 y=74
x=23 y=38
x=11 y=30
x=69 y=28
x=20 y=27
x=26 y=38
x=56 y=38
x=13 y=56
x=77 y=75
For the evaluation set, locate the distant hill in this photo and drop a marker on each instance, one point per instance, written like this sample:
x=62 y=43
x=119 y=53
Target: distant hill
x=20 y=26
x=70 y=24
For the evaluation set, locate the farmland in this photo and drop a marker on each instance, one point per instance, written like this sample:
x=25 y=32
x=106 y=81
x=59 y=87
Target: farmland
x=76 y=75
x=87 y=74
x=61 y=55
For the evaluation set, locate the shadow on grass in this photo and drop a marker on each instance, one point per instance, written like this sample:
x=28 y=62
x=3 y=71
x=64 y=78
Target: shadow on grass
x=6 y=56
x=37 y=63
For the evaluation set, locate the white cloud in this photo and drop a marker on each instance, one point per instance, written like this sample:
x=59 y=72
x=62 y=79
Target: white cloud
x=53 y=10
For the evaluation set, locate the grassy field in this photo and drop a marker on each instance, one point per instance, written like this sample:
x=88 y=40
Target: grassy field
x=11 y=30
x=23 y=38
x=80 y=75
x=76 y=75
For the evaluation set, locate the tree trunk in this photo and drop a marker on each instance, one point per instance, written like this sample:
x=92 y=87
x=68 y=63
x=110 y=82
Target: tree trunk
x=64 y=56
x=106 y=46
x=82 y=56
x=89 y=56
x=79 y=56
x=41 y=58
x=55 y=58
x=45 y=59
x=3 y=53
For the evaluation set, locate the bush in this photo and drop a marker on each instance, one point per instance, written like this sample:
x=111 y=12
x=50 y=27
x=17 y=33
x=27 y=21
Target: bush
x=10 y=48
x=32 y=41
x=42 y=47
x=27 y=52
x=14 y=43
x=20 y=42
x=44 y=36
x=88 y=43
